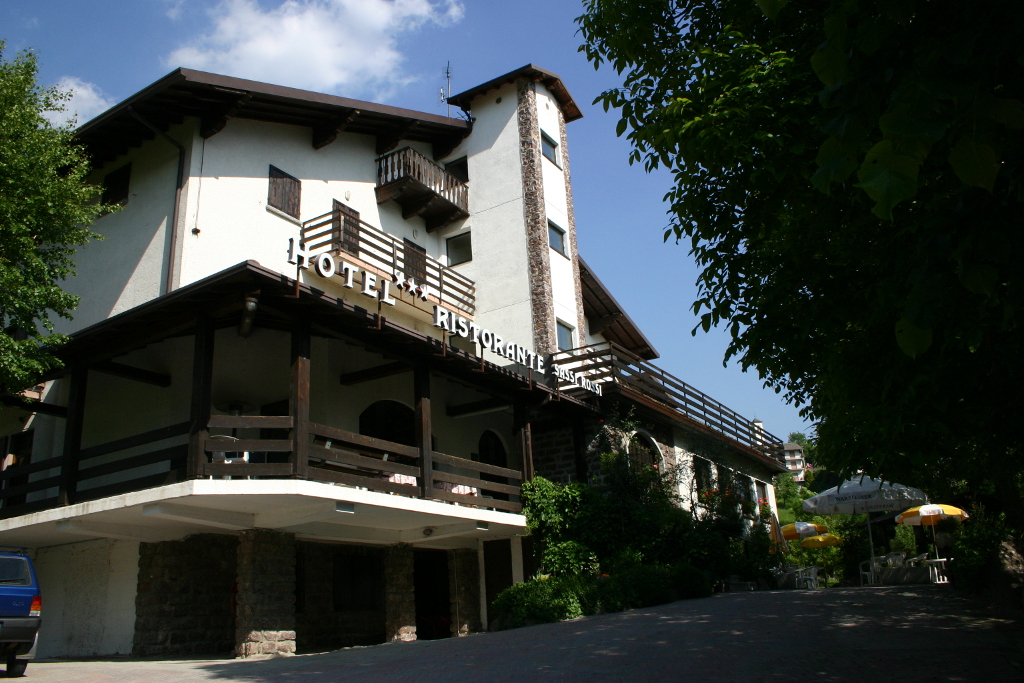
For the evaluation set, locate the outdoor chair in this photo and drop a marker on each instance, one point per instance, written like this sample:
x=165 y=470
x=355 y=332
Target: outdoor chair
x=809 y=578
x=895 y=559
x=913 y=561
x=870 y=572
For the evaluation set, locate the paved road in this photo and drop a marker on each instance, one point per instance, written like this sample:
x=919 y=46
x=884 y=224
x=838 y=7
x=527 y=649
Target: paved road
x=902 y=635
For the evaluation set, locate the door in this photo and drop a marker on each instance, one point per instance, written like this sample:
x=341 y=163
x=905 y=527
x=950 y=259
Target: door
x=433 y=600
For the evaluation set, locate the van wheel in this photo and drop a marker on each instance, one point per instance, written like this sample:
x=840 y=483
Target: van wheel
x=15 y=667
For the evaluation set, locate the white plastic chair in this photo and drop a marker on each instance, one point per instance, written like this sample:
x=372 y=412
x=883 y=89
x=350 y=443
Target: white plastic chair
x=809 y=578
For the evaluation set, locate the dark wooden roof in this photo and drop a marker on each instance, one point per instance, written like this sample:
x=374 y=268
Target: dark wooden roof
x=220 y=297
x=609 y=319
x=550 y=80
x=216 y=99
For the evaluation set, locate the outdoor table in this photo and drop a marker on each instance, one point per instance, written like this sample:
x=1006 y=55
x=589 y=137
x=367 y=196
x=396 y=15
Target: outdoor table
x=937 y=570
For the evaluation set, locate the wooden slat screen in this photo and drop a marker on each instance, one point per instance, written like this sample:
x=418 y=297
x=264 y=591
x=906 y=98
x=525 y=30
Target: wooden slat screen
x=285 y=192
x=415 y=261
x=346 y=228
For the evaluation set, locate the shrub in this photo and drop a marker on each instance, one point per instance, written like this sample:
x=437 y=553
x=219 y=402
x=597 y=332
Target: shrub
x=975 y=548
x=690 y=582
x=542 y=600
x=569 y=558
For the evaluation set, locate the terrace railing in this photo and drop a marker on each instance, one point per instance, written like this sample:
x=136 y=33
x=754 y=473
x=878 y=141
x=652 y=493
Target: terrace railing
x=421 y=187
x=611 y=365
x=357 y=240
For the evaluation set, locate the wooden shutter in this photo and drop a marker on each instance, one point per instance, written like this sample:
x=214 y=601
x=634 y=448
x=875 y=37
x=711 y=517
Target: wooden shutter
x=346 y=228
x=415 y=261
x=285 y=191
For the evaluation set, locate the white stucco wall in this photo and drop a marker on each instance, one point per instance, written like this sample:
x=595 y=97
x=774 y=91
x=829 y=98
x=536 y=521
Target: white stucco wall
x=499 y=267
x=88 y=593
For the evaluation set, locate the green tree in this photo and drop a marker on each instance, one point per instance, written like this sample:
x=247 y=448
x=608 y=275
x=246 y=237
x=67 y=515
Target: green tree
x=848 y=178
x=809 y=444
x=45 y=210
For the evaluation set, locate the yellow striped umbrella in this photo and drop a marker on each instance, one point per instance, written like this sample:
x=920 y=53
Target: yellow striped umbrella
x=821 y=541
x=799 y=530
x=930 y=515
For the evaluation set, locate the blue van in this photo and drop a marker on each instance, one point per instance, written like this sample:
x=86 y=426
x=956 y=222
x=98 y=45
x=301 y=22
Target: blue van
x=20 y=608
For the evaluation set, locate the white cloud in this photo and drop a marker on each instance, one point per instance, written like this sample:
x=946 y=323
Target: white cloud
x=87 y=101
x=348 y=46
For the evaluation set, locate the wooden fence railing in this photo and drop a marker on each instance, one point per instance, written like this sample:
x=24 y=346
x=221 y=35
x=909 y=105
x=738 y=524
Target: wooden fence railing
x=387 y=254
x=607 y=362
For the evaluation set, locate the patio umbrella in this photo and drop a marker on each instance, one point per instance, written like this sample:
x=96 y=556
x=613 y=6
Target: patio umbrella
x=930 y=515
x=821 y=541
x=864 y=495
x=778 y=538
x=798 y=530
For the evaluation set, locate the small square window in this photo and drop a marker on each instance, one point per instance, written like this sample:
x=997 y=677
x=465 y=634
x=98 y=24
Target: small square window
x=459 y=168
x=460 y=249
x=549 y=148
x=117 y=185
x=556 y=238
x=565 y=342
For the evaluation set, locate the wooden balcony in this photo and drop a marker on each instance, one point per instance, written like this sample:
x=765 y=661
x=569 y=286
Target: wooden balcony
x=422 y=188
x=615 y=368
x=357 y=240
x=332 y=455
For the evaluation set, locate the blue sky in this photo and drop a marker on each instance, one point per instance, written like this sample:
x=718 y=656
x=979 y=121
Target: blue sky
x=395 y=51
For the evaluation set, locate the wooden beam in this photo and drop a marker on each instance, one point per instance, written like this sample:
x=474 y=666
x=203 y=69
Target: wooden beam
x=299 y=402
x=599 y=325
x=388 y=141
x=424 y=432
x=521 y=420
x=416 y=207
x=73 y=435
x=211 y=124
x=378 y=372
x=487 y=405
x=33 y=406
x=327 y=132
x=137 y=374
x=202 y=389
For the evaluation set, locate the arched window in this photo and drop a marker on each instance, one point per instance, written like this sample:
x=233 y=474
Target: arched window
x=391 y=421
x=644 y=450
x=492 y=452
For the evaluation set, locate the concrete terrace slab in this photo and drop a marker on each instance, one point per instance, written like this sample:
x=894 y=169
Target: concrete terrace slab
x=904 y=634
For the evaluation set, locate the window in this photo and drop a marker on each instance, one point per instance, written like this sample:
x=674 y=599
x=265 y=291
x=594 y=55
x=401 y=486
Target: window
x=702 y=473
x=556 y=238
x=459 y=168
x=460 y=249
x=762 y=493
x=116 y=186
x=549 y=148
x=415 y=261
x=284 y=192
x=345 y=228
x=564 y=336
x=642 y=449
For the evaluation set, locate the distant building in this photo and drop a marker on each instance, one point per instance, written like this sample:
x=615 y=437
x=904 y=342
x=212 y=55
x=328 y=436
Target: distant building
x=795 y=460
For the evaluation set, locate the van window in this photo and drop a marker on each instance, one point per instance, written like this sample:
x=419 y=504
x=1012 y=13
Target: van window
x=14 y=572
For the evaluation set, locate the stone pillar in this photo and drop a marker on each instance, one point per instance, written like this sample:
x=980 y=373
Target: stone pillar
x=518 y=572
x=464 y=588
x=399 y=594
x=265 y=615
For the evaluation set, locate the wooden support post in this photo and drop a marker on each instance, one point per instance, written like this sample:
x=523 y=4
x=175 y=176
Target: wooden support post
x=525 y=435
x=299 y=403
x=73 y=435
x=202 y=398
x=424 y=434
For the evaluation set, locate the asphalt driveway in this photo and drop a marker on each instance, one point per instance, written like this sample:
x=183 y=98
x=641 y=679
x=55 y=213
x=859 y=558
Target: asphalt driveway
x=903 y=635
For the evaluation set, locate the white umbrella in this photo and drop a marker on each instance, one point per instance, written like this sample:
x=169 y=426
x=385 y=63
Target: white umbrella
x=864 y=494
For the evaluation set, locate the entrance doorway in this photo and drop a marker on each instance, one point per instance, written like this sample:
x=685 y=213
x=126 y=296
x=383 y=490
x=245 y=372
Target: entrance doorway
x=433 y=600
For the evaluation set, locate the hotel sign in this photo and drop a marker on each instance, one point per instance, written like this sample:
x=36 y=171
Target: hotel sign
x=371 y=285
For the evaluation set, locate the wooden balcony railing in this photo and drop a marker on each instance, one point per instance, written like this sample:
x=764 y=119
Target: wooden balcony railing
x=334 y=455
x=611 y=364
x=386 y=254
x=421 y=187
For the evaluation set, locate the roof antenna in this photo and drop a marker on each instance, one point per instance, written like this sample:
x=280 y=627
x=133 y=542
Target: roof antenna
x=445 y=96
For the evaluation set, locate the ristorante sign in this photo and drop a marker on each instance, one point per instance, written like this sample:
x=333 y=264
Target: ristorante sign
x=380 y=288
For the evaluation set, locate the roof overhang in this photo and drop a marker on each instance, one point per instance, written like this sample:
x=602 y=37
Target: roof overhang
x=551 y=81
x=616 y=325
x=215 y=99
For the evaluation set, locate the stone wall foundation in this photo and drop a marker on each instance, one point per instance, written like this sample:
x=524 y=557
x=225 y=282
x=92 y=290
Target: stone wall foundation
x=265 y=614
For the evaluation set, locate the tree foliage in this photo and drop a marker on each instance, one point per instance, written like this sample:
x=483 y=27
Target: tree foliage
x=45 y=208
x=848 y=178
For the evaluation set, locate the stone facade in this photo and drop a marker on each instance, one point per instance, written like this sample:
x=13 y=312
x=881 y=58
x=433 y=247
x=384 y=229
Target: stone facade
x=399 y=594
x=464 y=588
x=321 y=623
x=535 y=217
x=265 y=614
x=185 y=600
x=554 y=453
x=571 y=228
